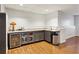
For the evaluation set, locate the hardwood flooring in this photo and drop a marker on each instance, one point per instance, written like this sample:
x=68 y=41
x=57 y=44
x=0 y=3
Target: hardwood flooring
x=71 y=46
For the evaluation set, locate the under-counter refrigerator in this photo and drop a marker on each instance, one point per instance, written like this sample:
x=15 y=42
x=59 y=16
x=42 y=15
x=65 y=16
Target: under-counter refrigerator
x=2 y=33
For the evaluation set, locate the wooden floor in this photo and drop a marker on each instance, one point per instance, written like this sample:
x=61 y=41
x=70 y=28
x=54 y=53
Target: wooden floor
x=71 y=46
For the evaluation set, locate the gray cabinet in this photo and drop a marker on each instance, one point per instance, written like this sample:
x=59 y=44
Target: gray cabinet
x=14 y=40
x=18 y=39
x=29 y=37
x=48 y=36
x=41 y=35
x=38 y=36
x=26 y=37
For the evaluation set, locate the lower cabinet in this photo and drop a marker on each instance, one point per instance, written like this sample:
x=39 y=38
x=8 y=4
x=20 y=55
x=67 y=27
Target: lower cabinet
x=38 y=36
x=26 y=37
x=30 y=37
x=14 y=40
x=48 y=36
x=18 y=39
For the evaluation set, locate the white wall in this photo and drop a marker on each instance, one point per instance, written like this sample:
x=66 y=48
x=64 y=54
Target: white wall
x=76 y=18
x=51 y=19
x=66 y=21
x=25 y=19
x=2 y=8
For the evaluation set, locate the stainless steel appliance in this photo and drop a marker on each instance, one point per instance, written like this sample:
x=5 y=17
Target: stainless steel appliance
x=14 y=40
x=55 y=38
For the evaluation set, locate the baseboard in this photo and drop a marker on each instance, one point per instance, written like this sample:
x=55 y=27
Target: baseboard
x=32 y=42
x=76 y=36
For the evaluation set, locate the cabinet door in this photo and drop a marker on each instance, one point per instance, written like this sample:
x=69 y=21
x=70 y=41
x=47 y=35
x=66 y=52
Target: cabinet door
x=2 y=33
x=41 y=35
x=15 y=40
x=48 y=36
x=38 y=36
x=27 y=37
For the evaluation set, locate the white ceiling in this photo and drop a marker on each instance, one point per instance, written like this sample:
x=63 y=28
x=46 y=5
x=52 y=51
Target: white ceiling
x=42 y=8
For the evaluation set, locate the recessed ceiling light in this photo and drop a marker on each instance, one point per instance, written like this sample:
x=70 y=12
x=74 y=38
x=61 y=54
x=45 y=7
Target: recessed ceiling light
x=21 y=4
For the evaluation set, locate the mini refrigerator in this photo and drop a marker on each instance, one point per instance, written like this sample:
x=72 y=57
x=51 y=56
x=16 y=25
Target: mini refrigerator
x=55 y=38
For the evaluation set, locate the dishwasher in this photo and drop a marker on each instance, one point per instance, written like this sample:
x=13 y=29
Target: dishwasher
x=55 y=38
